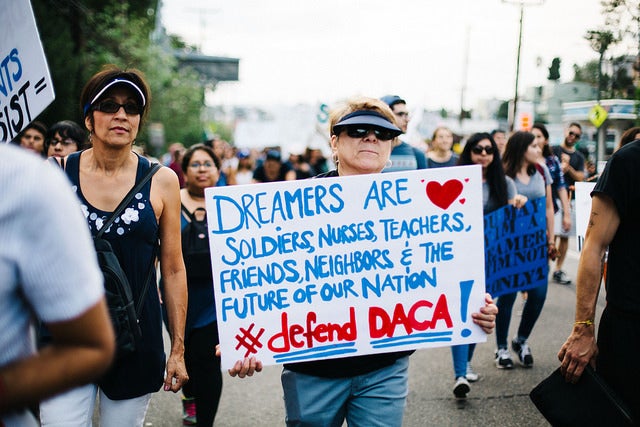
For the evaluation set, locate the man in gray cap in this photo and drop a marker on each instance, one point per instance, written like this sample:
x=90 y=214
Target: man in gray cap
x=403 y=156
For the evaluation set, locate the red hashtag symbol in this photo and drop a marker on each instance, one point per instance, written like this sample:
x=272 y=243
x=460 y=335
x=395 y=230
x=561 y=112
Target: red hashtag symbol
x=248 y=341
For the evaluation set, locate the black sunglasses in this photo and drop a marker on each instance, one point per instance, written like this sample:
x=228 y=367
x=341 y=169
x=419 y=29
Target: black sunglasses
x=111 y=107
x=478 y=149
x=575 y=135
x=362 y=131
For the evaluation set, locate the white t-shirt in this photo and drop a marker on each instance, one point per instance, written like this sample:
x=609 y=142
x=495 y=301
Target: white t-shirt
x=48 y=265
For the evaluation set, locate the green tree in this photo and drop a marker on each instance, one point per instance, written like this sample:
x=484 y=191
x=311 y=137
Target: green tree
x=587 y=73
x=554 y=70
x=600 y=40
x=622 y=18
x=80 y=36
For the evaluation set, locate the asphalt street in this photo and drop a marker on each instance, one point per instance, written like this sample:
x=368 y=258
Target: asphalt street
x=499 y=398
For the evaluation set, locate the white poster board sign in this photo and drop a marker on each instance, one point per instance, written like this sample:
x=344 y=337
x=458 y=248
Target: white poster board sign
x=26 y=88
x=583 y=210
x=325 y=268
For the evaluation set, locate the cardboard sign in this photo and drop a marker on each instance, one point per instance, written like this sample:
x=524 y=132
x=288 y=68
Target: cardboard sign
x=516 y=248
x=326 y=268
x=583 y=210
x=26 y=88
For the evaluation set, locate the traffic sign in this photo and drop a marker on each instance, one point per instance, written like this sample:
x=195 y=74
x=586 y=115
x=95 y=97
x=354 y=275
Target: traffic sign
x=597 y=115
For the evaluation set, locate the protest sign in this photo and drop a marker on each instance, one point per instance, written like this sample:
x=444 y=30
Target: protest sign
x=583 y=210
x=326 y=268
x=516 y=248
x=25 y=84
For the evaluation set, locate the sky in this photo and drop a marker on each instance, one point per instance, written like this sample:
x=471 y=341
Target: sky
x=307 y=51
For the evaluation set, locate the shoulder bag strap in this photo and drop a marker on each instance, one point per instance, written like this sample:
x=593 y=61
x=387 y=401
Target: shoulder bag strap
x=123 y=204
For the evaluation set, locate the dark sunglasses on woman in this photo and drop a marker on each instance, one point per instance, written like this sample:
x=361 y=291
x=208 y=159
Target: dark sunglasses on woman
x=362 y=131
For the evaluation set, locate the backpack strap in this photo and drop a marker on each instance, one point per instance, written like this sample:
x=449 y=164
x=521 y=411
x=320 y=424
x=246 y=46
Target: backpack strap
x=186 y=212
x=152 y=267
x=130 y=195
x=123 y=204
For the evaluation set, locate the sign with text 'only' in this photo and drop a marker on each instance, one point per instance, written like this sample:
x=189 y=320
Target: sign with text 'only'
x=26 y=88
x=336 y=267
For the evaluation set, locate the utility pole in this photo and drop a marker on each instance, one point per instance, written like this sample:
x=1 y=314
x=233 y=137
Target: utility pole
x=465 y=69
x=522 y=4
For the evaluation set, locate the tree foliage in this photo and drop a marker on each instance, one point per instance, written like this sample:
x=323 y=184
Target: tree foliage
x=81 y=36
x=622 y=18
x=554 y=70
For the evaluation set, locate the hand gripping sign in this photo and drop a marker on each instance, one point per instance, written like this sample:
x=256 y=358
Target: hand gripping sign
x=326 y=268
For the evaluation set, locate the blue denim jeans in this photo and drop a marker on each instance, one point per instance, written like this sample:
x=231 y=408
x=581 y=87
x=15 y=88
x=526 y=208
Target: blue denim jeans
x=461 y=354
x=530 y=314
x=374 y=399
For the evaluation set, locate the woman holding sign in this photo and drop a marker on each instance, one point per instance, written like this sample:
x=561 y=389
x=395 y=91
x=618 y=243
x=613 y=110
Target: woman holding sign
x=497 y=191
x=520 y=161
x=369 y=390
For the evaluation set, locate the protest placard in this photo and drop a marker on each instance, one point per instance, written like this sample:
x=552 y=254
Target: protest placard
x=583 y=210
x=25 y=84
x=326 y=268
x=516 y=248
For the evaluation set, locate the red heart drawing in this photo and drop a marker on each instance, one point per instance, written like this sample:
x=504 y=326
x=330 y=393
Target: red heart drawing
x=462 y=201
x=443 y=195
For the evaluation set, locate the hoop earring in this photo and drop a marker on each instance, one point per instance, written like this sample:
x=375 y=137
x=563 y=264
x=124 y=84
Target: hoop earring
x=388 y=164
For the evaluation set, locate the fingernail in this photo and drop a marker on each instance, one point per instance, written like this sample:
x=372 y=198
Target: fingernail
x=166 y=387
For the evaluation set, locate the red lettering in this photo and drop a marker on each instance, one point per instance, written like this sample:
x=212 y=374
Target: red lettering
x=420 y=326
x=381 y=324
x=290 y=335
x=441 y=312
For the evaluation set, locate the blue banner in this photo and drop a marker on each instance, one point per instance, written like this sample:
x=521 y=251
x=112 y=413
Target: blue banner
x=515 y=244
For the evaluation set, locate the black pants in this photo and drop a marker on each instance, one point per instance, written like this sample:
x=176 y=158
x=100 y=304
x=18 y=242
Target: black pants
x=203 y=367
x=618 y=352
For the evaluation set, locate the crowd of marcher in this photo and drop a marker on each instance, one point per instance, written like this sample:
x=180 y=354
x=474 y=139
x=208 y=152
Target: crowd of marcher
x=102 y=163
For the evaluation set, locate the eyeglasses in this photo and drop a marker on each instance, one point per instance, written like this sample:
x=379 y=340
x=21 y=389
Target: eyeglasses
x=111 y=107
x=478 y=149
x=575 y=135
x=64 y=142
x=198 y=165
x=361 y=132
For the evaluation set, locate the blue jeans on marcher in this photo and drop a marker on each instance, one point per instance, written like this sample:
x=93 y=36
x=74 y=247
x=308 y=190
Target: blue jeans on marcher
x=376 y=399
x=461 y=354
x=530 y=313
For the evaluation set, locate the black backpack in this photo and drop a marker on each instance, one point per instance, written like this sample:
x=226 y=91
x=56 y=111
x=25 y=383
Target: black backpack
x=124 y=314
x=195 y=246
x=118 y=295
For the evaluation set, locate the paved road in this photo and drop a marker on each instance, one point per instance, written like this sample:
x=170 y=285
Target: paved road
x=500 y=398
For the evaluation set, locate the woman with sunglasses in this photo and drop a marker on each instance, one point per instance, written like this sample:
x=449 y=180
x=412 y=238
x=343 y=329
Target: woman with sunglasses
x=497 y=190
x=64 y=138
x=114 y=104
x=520 y=161
x=368 y=390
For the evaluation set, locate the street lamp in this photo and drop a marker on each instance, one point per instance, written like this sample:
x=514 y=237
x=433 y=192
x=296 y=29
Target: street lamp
x=522 y=4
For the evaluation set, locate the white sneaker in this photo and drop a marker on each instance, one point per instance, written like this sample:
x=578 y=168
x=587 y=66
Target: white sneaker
x=503 y=359
x=471 y=375
x=461 y=388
